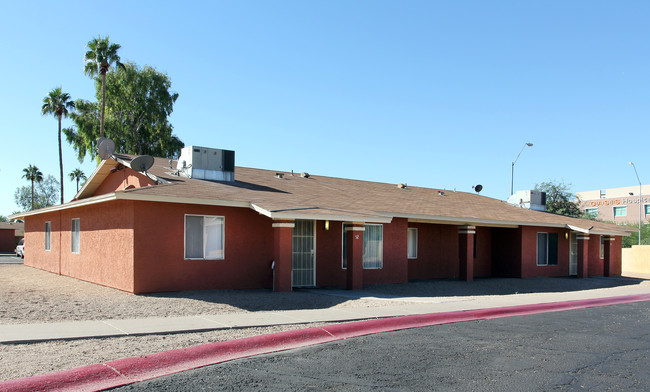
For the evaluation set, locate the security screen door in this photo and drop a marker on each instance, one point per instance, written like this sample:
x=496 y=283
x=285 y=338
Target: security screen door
x=573 y=254
x=303 y=254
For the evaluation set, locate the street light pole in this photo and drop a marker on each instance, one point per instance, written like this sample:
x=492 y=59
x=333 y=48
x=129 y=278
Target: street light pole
x=640 y=200
x=512 y=169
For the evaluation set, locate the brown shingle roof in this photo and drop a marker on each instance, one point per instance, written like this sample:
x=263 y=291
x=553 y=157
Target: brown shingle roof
x=320 y=197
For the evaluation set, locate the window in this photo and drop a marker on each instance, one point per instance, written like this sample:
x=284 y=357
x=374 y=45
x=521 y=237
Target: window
x=373 y=247
x=647 y=209
x=602 y=246
x=412 y=243
x=75 y=233
x=204 y=237
x=620 y=211
x=603 y=193
x=546 y=248
x=593 y=212
x=48 y=231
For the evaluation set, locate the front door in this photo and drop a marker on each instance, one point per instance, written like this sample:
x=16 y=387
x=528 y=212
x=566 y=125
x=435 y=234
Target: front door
x=303 y=257
x=573 y=255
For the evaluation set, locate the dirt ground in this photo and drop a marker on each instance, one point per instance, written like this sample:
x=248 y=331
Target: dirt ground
x=29 y=295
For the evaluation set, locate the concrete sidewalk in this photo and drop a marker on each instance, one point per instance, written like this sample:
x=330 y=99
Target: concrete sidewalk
x=395 y=306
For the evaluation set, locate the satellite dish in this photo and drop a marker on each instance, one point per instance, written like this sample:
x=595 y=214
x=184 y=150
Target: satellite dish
x=142 y=163
x=105 y=148
x=478 y=188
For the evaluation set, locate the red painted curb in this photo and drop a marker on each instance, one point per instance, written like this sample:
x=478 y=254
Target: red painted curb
x=126 y=371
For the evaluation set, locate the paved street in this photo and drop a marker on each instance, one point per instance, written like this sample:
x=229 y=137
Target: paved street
x=600 y=349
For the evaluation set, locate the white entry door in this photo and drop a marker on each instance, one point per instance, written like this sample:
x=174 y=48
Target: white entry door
x=573 y=254
x=303 y=257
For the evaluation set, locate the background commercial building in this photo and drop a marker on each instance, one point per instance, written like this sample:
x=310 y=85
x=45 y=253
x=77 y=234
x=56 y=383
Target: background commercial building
x=619 y=205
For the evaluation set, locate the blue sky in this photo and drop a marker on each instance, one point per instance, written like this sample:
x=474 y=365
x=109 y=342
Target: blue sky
x=435 y=94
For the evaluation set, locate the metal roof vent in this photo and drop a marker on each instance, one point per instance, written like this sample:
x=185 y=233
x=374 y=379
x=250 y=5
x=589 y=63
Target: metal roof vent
x=279 y=175
x=304 y=175
x=401 y=186
x=207 y=163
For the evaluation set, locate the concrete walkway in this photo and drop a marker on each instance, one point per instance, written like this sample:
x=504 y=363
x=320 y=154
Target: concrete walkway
x=395 y=306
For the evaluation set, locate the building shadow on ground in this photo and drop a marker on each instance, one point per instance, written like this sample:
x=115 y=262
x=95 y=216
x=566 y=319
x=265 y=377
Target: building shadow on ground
x=323 y=298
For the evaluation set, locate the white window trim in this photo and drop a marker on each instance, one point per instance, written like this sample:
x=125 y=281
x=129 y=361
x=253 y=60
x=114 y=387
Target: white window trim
x=48 y=236
x=623 y=208
x=78 y=235
x=223 y=237
x=547 y=242
x=382 y=246
x=416 y=243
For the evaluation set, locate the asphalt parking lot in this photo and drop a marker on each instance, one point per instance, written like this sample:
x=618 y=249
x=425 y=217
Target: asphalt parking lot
x=10 y=258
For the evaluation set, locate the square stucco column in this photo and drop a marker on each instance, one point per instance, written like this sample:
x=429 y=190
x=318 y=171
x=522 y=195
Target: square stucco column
x=466 y=252
x=583 y=256
x=607 y=262
x=354 y=234
x=282 y=250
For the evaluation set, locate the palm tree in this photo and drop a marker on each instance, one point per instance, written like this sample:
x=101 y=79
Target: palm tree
x=77 y=175
x=100 y=56
x=33 y=174
x=58 y=103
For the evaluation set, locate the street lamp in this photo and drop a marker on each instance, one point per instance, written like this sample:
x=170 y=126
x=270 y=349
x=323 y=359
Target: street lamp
x=512 y=170
x=640 y=202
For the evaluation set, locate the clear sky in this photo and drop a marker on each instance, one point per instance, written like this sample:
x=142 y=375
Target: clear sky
x=430 y=93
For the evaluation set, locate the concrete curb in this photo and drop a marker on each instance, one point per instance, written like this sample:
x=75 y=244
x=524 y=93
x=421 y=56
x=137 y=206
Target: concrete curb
x=130 y=370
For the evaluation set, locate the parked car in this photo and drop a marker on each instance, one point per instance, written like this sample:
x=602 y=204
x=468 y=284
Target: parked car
x=20 y=249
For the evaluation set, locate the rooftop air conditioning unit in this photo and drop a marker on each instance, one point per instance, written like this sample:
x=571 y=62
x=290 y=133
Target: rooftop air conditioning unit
x=207 y=163
x=532 y=200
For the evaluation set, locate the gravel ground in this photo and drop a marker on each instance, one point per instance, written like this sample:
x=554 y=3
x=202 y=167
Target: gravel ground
x=31 y=295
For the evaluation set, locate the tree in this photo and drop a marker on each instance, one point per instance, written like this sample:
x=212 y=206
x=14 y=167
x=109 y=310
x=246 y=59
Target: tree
x=77 y=175
x=138 y=104
x=99 y=58
x=559 y=199
x=32 y=174
x=59 y=104
x=45 y=194
x=4 y=218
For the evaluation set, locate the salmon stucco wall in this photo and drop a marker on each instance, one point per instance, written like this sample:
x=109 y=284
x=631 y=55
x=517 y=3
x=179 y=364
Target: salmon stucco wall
x=395 y=266
x=122 y=179
x=437 y=256
x=35 y=254
x=105 y=244
x=483 y=255
x=529 y=267
x=596 y=263
x=329 y=254
x=160 y=263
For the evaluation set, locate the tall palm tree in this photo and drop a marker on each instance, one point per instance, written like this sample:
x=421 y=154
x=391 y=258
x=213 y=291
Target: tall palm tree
x=77 y=175
x=58 y=104
x=99 y=57
x=32 y=173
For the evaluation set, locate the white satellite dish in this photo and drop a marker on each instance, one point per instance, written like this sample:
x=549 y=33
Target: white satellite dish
x=105 y=148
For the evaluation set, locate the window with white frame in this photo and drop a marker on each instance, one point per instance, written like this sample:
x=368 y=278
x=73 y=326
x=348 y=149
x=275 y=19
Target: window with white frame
x=204 y=237
x=547 y=248
x=602 y=246
x=373 y=247
x=593 y=212
x=647 y=209
x=620 y=211
x=48 y=231
x=412 y=243
x=75 y=234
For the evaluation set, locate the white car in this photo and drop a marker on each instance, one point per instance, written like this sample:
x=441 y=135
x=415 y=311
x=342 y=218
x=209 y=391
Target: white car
x=20 y=249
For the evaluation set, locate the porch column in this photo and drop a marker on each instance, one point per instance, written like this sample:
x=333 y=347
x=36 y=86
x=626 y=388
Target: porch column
x=466 y=252
x=607 y=262
x=583 y=255
x=354 y=238
x=282 y=249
